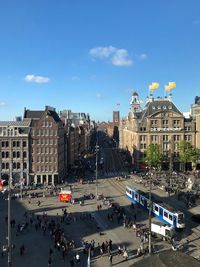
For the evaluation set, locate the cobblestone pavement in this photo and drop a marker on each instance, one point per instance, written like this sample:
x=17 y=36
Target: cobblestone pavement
x=99 y=229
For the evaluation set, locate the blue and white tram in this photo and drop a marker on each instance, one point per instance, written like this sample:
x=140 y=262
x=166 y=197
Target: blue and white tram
x=164 y=212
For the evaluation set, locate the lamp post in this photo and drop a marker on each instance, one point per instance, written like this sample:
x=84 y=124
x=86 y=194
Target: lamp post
x=9 y=218
x=150 y=209
x=97 y=149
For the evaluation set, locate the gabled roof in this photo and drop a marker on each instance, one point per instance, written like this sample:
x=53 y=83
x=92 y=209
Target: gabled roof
x=33 y=114
x=159 y=105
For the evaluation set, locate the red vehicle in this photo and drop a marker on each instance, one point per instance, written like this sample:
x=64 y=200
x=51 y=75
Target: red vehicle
x=65 y=196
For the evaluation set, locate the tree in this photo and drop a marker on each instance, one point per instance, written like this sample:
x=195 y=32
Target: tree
x=195 y=156
x=186 y=152
x=153 y=155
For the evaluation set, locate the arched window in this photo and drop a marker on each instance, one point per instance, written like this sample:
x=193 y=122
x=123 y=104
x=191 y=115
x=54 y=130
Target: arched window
x=14 y=154
x=24 y=165
x=18 y=165
x=7 y=154
x=7 y=166
x=24 y=154
x=18 y=154
x=14 y=165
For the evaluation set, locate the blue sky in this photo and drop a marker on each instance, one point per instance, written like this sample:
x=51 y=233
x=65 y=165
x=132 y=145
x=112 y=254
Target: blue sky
x=90 y=55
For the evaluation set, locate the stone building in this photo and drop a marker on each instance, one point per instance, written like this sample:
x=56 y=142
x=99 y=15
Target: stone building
x=48 y=146
x=159 y=122
x=14 y=150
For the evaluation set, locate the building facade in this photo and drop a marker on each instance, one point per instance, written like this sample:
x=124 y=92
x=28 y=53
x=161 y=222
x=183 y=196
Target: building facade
x=48 y=147
x=159 y=122
x=15 y=150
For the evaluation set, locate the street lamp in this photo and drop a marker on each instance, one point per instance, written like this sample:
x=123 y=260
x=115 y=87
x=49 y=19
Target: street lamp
x=96 y=150
x=150 y=208
x=9 y=218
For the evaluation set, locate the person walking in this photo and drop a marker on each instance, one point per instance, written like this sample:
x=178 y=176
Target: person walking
x=110 y=260
x=125 y=255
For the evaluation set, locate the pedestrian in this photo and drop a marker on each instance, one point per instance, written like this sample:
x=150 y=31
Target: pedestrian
x=77 y=258
x=125 y=255
x=110 y=260
x=71 y=262
x=49 y=262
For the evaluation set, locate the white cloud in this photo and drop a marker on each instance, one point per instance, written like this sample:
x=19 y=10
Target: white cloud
x=121 y=58
x=142 y=56
x=117 y=56
x=102 y=52
x=2 y=104
x=36 y=79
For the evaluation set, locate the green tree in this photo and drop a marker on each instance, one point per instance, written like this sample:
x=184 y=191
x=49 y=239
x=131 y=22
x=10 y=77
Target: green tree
x=186 y=152
x=153 y=155
x=195 y=156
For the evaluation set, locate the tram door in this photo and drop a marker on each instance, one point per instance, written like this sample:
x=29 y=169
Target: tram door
x=174 y=221
x=161 y=212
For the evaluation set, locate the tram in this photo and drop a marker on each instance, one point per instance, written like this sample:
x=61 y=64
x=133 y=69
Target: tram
x=161 y=210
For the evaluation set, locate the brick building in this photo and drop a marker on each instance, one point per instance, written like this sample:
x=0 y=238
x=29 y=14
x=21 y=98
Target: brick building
x=48 y=146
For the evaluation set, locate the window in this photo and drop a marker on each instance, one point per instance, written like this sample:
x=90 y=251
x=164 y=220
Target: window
x=25 y=165
x=14 y=165
x=24 y=154
x=7 y=144
x=176 y=123
x=7 y=154
x=3 y=154
x=154 y=122
x=2 y=144
x=165 y=146
x=165 y=138
x=7 y=166
x=142 y=138
x=3 y=165
x=165 y=122
x=165 y=214
x=14 y=154
x=188 y=138
x=154 y=138
x=14 y=143
x=18 y=154
x=156 y=208
x=176 y=137
x=187 y=128
x=170 y=217
x=18 y=165
x=24 y=143
x=18 y=143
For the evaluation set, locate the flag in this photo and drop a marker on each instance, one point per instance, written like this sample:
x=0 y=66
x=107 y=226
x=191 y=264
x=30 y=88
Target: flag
x=153 y=86
x=172 y=85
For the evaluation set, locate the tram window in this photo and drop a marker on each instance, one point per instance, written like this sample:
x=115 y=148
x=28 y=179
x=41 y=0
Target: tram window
x=142 y=200
x=165 y=214
x=136 y=196
x=170 y=217
x=156 y=208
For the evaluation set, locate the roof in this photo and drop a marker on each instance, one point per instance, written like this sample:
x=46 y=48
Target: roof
x=37 y=114
x=33 y=114
x=159 y=105
x=24 y=123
